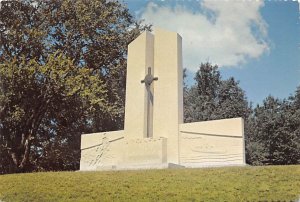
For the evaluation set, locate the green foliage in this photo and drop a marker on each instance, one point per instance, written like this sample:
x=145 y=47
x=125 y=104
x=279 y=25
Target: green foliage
x=275 y=134
x=62 y=73
x=213 y=98
x=63 y=67
x=33 y=94
x=273 y=183
x=272 y=131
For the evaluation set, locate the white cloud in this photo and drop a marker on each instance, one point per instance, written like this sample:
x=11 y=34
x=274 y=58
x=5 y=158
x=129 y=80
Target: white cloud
x=225 y=38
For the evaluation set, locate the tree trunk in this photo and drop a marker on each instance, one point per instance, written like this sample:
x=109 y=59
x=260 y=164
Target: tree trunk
x=20 y=157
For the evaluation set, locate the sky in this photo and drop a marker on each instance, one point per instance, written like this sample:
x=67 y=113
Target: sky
x=256 y=42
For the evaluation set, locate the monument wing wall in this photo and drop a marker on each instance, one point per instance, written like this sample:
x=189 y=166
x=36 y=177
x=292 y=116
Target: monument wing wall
x=212 y=143
x=101 y=150
x=111 y=150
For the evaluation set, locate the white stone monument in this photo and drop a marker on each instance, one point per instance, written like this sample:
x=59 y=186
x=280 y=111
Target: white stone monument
x=154 y=134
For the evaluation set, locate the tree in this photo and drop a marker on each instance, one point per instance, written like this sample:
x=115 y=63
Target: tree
x=213 y=98
x=296 y=99
x=63 y=67
x=34 y=94
x=275 y=137
x=272 y=130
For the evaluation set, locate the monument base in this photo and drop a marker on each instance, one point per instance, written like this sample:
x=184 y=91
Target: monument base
x=111 y=151
x=201 y=144
x=137 y=167
x=134 y=167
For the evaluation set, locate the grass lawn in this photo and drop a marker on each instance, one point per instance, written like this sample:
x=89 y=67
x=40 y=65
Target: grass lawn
x=271 y=183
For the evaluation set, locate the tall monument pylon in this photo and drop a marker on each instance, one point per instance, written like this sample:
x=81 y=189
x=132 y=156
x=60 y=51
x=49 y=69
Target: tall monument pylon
x=154 y=134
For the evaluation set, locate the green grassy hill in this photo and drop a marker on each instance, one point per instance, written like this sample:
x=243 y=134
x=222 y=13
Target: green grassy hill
x=272 y=183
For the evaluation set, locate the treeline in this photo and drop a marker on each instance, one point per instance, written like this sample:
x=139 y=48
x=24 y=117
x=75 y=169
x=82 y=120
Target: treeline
x=272 y=130
x=63 y=71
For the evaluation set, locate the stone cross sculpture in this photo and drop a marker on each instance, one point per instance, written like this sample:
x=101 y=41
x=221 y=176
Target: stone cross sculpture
x=148 y=81
x=154 y=134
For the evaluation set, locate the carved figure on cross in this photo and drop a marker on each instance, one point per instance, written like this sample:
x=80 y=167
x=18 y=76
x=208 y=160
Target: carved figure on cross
x=149 y=78
x=148 y=81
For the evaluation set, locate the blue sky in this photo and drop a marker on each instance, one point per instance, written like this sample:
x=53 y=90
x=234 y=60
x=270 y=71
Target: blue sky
x=256 y=42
